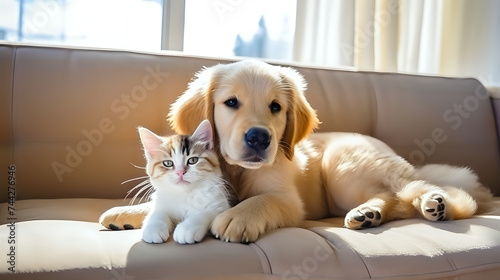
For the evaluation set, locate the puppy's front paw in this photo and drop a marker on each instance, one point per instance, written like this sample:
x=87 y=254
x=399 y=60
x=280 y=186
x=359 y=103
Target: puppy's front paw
x=155 y=232
x=189 y=233
x=233 y=226
x=362 y=217
x=434 y=207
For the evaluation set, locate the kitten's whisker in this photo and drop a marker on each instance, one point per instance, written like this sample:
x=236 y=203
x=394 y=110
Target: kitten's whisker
x=144 y=188
x=134 y=197
x=140 y=185
x=137 y=166
x=147 y=194
x=134 y=179
x=150 y=193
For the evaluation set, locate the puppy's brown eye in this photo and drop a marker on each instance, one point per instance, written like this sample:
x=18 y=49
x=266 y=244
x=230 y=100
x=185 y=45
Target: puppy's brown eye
x=275 y=107
x=232 y=103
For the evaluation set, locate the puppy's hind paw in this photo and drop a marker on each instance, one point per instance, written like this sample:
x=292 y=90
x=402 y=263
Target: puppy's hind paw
x=434 y=207
x=359 y=218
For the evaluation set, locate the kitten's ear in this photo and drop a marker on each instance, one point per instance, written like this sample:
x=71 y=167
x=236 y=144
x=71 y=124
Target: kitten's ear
x=203 y=133
x=151 y=142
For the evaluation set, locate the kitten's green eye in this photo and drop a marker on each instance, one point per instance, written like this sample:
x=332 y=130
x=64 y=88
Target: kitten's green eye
x=192 y=160
x=168 y=163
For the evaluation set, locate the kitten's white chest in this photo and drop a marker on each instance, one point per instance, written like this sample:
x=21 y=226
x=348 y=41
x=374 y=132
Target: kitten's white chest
x=172 y=201
x=178 y=201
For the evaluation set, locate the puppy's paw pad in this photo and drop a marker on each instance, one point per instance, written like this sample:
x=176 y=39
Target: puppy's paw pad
x=360 y=218
x=121 y=217
x=113 y=227
x=434 y=207
x=128 y=226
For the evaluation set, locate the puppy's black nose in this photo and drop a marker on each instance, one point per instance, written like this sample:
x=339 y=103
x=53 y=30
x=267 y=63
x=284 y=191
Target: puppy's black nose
x=257 y=138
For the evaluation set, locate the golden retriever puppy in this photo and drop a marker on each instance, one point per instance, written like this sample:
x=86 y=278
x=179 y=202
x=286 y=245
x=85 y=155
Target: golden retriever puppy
x=283 y=174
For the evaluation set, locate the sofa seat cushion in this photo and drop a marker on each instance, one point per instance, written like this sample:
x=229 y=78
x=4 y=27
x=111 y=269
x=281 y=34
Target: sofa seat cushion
x=431 y=250
x=64 y=236
x=86 y=249
x=61 y=239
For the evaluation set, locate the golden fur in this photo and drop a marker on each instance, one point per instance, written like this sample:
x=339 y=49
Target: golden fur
x=325 y=174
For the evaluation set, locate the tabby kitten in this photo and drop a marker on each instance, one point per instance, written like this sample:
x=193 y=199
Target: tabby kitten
x=189 y=189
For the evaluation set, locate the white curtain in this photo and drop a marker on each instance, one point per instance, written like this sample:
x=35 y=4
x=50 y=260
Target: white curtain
x=437 y=37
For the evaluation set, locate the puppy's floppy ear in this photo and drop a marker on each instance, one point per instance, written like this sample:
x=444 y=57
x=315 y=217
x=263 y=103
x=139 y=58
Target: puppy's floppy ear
x=196 y=103
x=301 y=117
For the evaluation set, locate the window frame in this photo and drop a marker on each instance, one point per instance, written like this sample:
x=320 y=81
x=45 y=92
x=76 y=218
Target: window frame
x=173 y=16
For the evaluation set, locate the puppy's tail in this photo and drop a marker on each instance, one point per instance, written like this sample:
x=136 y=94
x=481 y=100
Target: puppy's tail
x=462 y=178
x=447 y=175
x=492 y=207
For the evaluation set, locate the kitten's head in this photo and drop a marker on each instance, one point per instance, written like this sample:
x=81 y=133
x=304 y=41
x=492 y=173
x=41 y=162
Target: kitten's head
x=180 y=159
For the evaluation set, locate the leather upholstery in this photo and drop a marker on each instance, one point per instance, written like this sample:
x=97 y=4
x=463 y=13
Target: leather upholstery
x=68 y=119
x=75 y=111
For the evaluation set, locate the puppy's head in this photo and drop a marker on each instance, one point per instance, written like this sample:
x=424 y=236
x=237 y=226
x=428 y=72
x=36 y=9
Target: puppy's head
x=258 y=111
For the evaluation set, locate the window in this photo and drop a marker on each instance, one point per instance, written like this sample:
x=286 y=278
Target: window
x=392 y=36
x=258 y=28
x=130 y=24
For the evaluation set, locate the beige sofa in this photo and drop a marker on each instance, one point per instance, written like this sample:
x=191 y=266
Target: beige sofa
x=68 y=121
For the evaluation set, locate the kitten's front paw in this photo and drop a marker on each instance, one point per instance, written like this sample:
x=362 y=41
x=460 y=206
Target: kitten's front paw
x=232 y=226
x=189 y=233
x=157 y=232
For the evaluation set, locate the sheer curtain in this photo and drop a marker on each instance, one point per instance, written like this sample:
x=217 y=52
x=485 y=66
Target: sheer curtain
x=437 y=37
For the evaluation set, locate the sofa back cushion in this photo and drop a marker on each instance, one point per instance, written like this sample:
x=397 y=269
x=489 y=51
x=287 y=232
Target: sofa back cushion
x=69 y=115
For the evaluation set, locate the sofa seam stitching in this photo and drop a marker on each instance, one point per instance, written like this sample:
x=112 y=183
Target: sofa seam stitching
x=254 y=245
x=348 y=245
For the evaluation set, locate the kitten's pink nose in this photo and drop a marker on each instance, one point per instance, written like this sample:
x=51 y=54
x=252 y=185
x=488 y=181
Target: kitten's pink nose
x=180 y=173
